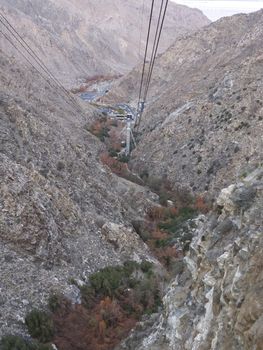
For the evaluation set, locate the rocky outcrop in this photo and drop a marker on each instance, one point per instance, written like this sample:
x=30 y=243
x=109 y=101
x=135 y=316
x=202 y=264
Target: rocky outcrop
x=83 y=39
x=216 y=303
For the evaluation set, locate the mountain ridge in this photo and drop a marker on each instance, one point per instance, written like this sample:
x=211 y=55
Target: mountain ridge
x=82 y=39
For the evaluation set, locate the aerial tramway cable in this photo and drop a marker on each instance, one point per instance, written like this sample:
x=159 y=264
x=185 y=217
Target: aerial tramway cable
x=60 y=47
x=146 y=51
x=161 y=18
x=156 y=45
x=35 y=57
x=142 y=99
x=38 y=60
x=141 y=27
x=30 y=63
x=24 y=56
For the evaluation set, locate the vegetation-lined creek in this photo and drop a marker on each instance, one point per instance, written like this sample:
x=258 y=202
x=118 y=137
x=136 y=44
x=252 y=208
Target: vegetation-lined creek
x=116 y=297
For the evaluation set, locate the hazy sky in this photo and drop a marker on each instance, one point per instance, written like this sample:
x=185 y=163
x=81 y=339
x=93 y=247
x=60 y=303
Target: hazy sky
x=215 y=9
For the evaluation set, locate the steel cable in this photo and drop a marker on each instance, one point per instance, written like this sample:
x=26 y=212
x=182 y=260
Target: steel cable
x=38 y=60
x=24 y=56
x=146 y=51
x=154 y=54
x=155 y=46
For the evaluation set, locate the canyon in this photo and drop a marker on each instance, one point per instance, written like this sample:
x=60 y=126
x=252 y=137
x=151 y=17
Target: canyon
x=65 y=215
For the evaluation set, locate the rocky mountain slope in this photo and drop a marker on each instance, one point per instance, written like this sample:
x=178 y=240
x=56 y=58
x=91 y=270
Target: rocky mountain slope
x=204 y=113
x=62 y=214
x=216 y=301
x=82 y=39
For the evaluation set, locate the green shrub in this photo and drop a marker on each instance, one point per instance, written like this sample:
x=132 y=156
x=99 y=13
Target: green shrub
x=114 y=280
x=113 y=153
x=161 y=243
x=163 y=198
x=108 y=280
x=54 y=302
x=40 y=326
x=124 y=159
x=175 y=222
x=130 y=266
x=144 y=175
x=148 y=294
x=146 y=266
x=88 y=296
x=41 y=347
x=103 y=133
x=12 y=342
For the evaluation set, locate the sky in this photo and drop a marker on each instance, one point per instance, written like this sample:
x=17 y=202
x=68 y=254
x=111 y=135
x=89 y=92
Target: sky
x=214 y=9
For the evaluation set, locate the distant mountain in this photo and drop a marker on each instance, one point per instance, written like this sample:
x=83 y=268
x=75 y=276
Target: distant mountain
x=84 y=38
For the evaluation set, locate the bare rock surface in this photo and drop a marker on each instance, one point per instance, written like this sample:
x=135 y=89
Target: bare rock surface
x=55 y=196
x=82 y=39
x=63 y=215
x=216 y=303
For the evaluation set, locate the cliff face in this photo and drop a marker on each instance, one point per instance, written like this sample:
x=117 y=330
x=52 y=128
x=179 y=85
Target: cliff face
x=203 y=118
x=82 y=39
x=216 y=301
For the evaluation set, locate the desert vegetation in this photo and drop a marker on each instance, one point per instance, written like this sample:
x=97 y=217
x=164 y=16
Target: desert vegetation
x=168 y=230
x=11 y=342
x=100 y=128
x=113 y=301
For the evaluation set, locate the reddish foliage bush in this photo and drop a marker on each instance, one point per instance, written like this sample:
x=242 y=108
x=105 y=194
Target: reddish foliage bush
x=167 y=252
x=201 y=205
x=114 y=144
x=161 y=226
x=116 y=167
x=156 y=213
x=80 y=89
x=100 y=328
x=174 y=211
x=158 y=234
